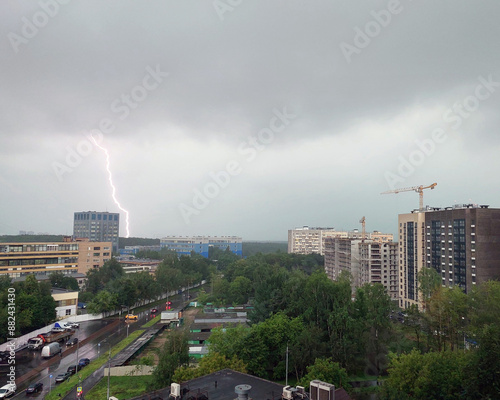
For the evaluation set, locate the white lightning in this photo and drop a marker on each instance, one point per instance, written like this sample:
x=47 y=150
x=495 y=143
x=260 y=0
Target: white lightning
x=110 y=178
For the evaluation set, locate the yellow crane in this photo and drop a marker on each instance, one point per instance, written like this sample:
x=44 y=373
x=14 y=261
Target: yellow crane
x=418 y=189
x=363 y=231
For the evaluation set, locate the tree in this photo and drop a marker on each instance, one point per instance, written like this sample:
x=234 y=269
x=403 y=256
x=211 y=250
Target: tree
x=103 y=302
x=125 y=290
x=59 y=280
x=434 y=375
x=428 y=282
x=209 y=364
x=175 y=354
x=147 y=287
x=325 y=370
x=239 y=290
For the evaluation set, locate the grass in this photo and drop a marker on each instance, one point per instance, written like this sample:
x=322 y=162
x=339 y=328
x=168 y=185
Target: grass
x=122 y=387
x=152 y=322
x=65 y=387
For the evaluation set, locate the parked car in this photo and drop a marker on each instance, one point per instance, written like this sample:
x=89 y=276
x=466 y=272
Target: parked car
x=73 y=369
x=8 y=390
x=83 y=362
x=72 y=342
x=73 y=325
x=34 y=388
x=62 y=377
x=131 y=317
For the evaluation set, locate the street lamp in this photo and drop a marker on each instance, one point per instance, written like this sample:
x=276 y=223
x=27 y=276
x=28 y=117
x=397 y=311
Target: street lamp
x=109 y=363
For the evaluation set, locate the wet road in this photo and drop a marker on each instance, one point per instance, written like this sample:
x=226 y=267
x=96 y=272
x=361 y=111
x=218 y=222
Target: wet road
x=26 y=359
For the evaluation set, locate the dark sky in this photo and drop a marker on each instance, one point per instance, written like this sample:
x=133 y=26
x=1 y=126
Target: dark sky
x=245 y=118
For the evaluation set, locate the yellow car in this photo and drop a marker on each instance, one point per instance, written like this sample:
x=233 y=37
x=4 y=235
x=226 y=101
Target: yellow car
x=131 y=317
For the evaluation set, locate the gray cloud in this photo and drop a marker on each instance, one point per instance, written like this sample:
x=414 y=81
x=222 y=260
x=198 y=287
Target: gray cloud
x=225 y=77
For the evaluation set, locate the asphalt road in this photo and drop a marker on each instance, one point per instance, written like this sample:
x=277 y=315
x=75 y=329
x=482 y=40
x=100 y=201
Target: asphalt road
x=27 y=360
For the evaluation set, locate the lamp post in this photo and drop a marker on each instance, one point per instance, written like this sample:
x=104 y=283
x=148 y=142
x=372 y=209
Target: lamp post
x=77 y=371
x=109 y=363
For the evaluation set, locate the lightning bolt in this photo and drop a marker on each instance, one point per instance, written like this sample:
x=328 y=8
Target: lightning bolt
x=110 y=178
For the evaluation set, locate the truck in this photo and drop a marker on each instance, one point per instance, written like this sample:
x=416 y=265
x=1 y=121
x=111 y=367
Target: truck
x=55 y=335
x=51 y=349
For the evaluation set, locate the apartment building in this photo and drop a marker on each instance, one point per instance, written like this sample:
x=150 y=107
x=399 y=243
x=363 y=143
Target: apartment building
x=367 y=261
x=308 y=240
x=461 y=243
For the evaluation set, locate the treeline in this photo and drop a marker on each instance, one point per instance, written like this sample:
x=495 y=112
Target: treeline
x=33 y=302
x=135 y=241
x=252 y=248
x=30 y=238
x=108 y=288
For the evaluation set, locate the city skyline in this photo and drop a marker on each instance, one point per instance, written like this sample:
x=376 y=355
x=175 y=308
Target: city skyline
x=245 y=119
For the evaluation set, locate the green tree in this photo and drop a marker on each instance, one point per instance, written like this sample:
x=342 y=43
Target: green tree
x=146 y=286
x=174 y=354
x=240 y=290
x=429 y=281
x=59 y=280
x=434 y=375
x=209 y=364
x=324 y=369
x=103 y=302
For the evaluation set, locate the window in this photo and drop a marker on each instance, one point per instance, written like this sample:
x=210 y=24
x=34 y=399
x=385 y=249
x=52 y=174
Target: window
x=68 y=312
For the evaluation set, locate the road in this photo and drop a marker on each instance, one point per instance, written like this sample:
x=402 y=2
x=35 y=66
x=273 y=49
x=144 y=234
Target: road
x=88 y=334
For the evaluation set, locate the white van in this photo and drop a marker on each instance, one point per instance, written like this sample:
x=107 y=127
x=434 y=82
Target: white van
x=51 y=349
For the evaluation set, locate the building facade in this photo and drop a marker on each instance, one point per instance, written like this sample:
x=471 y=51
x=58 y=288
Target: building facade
x=20 y=259
x=183 y=245
x=93 y=255
x=67 y=302
x=462 y=243
x=367 y=261
x=97 y=227
x=307 y=240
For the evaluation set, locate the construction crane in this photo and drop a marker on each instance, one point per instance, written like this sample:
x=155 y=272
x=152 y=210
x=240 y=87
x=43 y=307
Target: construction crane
x=363 y=231
x=418 y=189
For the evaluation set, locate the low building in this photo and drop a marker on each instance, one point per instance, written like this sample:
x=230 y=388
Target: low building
x=133 y=250
x=185 y=245
x=21 y=259
x=67 y=302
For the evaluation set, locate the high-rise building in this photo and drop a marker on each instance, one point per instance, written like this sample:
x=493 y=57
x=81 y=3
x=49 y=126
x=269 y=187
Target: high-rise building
x=183 y=245
x=367 y=261
x=461 y=243
x=97 y=227
x=307 y=240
